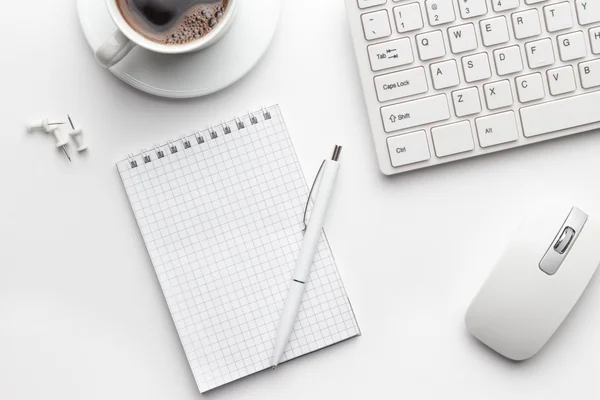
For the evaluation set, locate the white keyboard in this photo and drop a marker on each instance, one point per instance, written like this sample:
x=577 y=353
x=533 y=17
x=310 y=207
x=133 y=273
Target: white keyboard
x=446 y=80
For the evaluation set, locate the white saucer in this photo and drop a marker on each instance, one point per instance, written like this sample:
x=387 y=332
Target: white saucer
x=195 y=74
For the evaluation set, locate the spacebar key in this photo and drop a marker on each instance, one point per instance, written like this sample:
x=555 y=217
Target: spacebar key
x=414 y=113
x=561 y=114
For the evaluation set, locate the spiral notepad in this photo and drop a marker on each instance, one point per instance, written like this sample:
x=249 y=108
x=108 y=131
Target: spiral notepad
x=220 y=212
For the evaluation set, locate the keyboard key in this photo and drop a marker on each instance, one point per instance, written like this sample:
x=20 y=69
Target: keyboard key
x=534 y=1
x=440 y=12
x=497 y=129
x=590 y=74
x=560 y=114
x=526 y=24
x=571 y=46
x=466 y=102
x=561 y=80
x=370 y=3
x=588 y=11
x=462 y=38
x=558 y=17
x=476 y=67
x=390 y=54
x=376 y=25
x=530 y=87
x=539 y=53
x=444 y=74
x=408 y=149
x=414 y=113
x=472 y=8
x=401 y=84
x=595 y=40
x=508 y=60
x=452 y=139
x=494 y=31
x=498 y=94
x=431 y=45
x=408 y=17
x=503 y=5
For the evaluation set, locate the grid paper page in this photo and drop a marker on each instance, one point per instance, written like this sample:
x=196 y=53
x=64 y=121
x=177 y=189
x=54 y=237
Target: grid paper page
x=222 y=222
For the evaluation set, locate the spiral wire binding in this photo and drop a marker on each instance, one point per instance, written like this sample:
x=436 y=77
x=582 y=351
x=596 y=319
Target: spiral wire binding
x=146 y=157
x=132 y=162
x=226 y=128
x=213 y=134
x=200 y=139
x=266 y=113
x=159 y=153
x=253 y=119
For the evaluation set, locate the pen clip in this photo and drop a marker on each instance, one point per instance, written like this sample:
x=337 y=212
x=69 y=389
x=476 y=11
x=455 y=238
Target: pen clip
x=310 y=195
x=335 y=157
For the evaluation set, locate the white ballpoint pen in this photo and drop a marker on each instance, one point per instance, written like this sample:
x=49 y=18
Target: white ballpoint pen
x=312 y=235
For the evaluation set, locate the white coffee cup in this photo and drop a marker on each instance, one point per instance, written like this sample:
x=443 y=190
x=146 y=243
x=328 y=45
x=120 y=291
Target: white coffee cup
x=126 y=38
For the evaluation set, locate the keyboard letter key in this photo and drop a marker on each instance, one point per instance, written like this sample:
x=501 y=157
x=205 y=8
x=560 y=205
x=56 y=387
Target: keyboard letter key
x=494 y=31
x=462 y=38
x=526 y=24
x=590 y=74
x=588 y=11
x=408 y=149
x=595 y=40
x=571 y=46
x=466 y=102
x=530 y=87
x=508 y=60
x=444 y=74
x=539 y=53
x=497 y=129
x=558 y=17
x=431 y=45
x=498 y=94
x=476 y=67
x=414 y=113
x=561 y=80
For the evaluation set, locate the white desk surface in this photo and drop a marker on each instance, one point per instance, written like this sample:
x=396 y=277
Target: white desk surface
x=81 y=312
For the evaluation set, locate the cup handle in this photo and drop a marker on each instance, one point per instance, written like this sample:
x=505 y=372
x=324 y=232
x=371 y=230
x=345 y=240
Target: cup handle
x=114 y=49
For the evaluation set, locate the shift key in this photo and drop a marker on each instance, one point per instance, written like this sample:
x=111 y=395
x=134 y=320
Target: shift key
x=414 y=113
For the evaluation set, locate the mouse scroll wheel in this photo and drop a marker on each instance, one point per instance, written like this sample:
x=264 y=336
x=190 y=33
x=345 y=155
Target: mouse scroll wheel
x=565 y=240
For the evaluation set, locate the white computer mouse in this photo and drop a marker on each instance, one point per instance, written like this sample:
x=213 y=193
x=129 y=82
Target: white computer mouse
x=537 y=282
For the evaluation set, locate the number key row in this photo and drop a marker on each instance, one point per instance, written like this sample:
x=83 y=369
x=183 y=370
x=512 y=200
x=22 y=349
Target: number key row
x=408 y=17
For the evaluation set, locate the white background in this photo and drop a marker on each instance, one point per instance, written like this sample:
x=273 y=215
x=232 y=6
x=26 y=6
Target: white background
x=81 y=312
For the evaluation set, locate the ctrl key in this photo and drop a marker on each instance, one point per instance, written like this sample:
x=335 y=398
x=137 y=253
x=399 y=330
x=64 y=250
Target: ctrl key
x=409 y=148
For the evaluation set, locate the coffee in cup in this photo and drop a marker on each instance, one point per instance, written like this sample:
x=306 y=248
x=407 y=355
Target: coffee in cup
x=173 y=22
